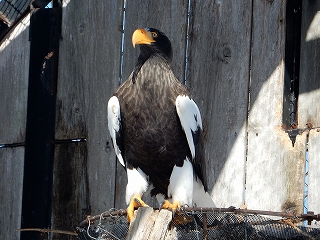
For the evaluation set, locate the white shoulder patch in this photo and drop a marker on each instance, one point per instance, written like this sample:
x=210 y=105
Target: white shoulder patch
x=190 y=118
x=114 y=121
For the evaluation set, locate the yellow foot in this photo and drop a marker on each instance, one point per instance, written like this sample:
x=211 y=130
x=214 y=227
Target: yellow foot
x=178 y=218
x=167 y=205
x=135 y=203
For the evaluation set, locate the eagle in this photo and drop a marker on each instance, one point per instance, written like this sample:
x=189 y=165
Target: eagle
x=156 y=130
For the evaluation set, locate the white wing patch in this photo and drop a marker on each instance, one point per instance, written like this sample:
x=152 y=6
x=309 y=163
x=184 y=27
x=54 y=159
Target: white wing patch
x=190 y=118
x=114 y=121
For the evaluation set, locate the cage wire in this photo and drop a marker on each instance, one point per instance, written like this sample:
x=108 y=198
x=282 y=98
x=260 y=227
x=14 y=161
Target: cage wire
x=200 y=224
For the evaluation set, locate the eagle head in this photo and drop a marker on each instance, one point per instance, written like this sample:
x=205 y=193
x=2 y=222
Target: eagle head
x=152 y=42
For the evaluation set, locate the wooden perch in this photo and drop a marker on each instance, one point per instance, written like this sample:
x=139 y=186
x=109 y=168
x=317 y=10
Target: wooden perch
x=151 y=224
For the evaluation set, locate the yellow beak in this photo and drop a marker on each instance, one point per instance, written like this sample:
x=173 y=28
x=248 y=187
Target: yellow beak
x=141 y=36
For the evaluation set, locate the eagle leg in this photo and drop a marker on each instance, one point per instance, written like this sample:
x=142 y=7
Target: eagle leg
x=135 y=203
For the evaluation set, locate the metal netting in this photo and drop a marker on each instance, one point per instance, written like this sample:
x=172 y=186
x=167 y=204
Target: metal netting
x=112 y=227
x=207 y=225
x=215 y=225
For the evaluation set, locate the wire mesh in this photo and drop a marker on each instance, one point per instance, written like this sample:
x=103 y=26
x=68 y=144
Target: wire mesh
x=113 y=227
x=197 y=225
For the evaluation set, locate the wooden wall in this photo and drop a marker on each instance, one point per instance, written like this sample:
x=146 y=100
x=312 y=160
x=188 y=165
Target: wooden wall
x=309 y=96
x=14 y=71
x=235 y=71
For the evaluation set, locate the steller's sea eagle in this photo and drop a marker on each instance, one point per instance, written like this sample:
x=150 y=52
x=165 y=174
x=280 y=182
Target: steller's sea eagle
x=156 y=130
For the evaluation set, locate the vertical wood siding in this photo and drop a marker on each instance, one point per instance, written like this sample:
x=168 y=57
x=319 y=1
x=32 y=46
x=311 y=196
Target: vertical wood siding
x=14 y=71
x=273 y=182
x=218 y=71
x=89 y=68
x=309 y=96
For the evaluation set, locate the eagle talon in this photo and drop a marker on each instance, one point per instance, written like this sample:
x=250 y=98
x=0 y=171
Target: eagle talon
x=174 y=207
x=135 y=203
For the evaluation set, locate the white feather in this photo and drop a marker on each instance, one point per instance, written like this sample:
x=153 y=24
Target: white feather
x=137 y=183
x=186 y=189
x=114 y=121
x=181 y=184
x=200 y=197
x=190 y=118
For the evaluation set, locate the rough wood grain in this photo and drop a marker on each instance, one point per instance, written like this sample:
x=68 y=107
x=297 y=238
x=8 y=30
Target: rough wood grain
x=11 y=179
x=140 y=226
x=309 y=84
x=161 y=225
x=275 y=169
x=309 y=96
x=71 y=196
x=14 y=70
x=150 y=224
x=15 y=51
x=171 y=18
x=314 y=173
x=89 y=66
x=218 y=77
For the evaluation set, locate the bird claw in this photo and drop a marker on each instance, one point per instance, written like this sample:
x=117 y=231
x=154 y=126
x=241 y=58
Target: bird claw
x=171 y=206
x=135 y=203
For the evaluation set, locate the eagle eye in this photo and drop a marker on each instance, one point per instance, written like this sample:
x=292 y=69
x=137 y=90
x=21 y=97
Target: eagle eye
x=154 y=34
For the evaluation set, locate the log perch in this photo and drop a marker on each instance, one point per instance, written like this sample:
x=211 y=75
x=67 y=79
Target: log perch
x=151 y=224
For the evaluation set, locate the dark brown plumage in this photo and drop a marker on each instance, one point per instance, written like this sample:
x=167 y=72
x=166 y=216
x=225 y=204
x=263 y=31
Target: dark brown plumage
x=151 y=136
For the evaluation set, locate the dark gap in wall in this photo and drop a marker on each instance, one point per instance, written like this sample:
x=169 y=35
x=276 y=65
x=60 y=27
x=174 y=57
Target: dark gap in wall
x=45 y=31
x=292 y=68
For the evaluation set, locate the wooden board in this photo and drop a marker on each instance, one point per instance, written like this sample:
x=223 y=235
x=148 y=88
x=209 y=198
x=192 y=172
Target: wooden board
x=309 y=97
x=11 y=179
x=314 y=173
x=71 y=194
x=309 y=84
x=89 y=66
x=169 y=17
x=275 y=169
x=150 y=224
x=218 y=77
x=15 y=51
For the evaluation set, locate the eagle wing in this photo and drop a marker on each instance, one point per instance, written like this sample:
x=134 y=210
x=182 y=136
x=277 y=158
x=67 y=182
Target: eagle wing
x=114 y=125
x=191 y=123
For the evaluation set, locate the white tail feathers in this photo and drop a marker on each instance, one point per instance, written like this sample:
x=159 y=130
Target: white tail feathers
x=200 y=197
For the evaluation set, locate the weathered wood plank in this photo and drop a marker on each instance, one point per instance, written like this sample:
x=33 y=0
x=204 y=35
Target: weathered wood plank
x=140 y=226
x=161 y=225
x=89 y=66
x=169 y=17
x=218 y=76
x=309 y=96
x=275 y=169
x=14 y=70
x=314 y=173
x=71 y=195
x=309 y=84
x=150 y=224
x=11 y=179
